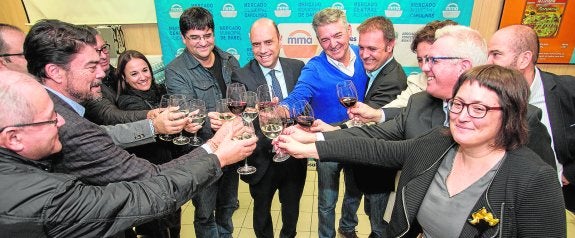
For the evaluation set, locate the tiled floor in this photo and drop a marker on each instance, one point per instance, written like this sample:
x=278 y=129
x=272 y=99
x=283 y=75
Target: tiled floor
x=307 y=223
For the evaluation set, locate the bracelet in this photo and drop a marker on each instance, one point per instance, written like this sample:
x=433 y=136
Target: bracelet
x=212 y=145
x=152 y=126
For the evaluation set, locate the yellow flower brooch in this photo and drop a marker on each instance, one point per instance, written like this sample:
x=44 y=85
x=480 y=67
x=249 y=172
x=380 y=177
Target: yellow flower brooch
x=483 y=215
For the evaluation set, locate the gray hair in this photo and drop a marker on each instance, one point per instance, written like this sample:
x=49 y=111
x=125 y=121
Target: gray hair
x=15 y=105
x=328 y=16
x=469 y=43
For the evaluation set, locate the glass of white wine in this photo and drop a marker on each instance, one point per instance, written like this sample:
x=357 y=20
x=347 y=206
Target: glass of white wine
x=251 y=111
x=164 y=104
x=247 y=133
x=271 y=125
x=184 y=107
x=197 y=115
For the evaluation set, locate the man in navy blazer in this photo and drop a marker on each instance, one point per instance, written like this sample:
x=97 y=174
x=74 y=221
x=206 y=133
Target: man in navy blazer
x=517 y=46
x=289 y=176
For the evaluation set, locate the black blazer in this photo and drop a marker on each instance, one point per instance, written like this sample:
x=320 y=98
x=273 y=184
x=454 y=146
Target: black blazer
x=252 y=76
x=388 y=83
x=560 y=101
x=524 y=193
x=424 y=112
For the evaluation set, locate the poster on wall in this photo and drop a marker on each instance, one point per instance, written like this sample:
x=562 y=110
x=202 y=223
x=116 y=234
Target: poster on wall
x=233 y=20
x=552 y=20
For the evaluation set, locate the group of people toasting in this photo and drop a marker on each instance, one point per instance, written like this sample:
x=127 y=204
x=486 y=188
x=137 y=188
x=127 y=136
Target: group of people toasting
x=481 y=136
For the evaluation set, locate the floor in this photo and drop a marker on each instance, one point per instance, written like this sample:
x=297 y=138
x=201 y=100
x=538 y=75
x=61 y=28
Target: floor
x=307 y=223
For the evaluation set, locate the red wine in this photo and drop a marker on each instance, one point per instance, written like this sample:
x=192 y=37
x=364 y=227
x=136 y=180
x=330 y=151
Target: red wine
x=348 y=101
x=237 y=107
x=287 y=122
x=264 y=105
x=305 y=121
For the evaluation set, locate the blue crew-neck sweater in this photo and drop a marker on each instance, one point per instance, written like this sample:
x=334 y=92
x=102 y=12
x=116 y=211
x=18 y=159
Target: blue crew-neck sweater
x=317 y=85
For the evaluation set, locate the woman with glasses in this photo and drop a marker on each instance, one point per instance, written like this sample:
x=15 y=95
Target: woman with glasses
x=473 y=179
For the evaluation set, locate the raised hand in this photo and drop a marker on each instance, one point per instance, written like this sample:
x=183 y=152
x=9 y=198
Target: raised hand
x=364 y=113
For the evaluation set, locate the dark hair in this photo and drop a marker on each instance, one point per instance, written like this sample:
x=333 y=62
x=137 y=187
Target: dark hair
x=513 y=92
x=54 y=42
x=196 y=18
x=378 y=23
x=5 y=27
x=123 y=60
x=427 y=33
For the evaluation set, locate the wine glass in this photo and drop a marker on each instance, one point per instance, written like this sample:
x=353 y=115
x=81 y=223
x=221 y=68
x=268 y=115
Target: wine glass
x=197 y=115
x=251 y=111
x=223 y=110
x=248 y=133
x=303 y=114
x=265 y=96
x=164 y=104
x=347 y=95
x=272 y=121
x=236 y=103
x=184 y=107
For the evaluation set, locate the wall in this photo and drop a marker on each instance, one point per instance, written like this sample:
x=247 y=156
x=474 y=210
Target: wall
x=144 y=37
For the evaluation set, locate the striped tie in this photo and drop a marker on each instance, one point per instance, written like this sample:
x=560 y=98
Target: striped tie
x=276 y=85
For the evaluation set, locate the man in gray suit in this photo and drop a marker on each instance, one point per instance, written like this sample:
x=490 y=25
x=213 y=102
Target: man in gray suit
x=517 y=46
x=286 y=177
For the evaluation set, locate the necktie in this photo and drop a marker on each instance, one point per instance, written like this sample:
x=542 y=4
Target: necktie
x=276 y=85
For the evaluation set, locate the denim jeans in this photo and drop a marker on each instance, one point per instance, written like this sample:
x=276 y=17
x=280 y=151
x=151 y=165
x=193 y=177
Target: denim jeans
x=328 y=183
x=221 y=197
x=374 y=207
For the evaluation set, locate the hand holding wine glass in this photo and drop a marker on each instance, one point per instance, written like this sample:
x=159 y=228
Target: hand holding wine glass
x=272 y=121
x=164 y=105
x=347 y=94
x=248 y=132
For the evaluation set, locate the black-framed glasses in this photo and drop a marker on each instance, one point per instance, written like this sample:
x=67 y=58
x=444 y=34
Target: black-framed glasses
x=105 y=49
x=55 y=122
x=16 y=54
x=436 y=59
x=197 y=38
x=475 y=110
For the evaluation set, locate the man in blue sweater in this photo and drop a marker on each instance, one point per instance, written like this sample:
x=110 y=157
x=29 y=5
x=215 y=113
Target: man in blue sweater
x=339 y=61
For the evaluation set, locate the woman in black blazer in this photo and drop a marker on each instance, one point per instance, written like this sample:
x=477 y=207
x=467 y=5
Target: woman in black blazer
x=475 y=179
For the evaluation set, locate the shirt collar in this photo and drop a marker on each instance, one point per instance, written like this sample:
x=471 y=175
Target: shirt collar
x=374 y=73
x=266 y=71
x=338 y=64
x=536 y=86
x=76 y=106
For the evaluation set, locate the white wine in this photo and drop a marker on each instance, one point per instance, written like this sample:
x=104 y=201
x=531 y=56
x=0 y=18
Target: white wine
x=250 y=114
x=227 y=116
x=198 y=118
x=272 y=130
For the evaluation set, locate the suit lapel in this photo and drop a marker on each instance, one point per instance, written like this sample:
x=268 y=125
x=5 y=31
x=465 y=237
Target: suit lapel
x=552 y=101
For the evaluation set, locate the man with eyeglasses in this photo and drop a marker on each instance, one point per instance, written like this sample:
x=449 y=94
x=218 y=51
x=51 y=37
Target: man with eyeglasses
x=11 y=51
x=104 y=111
x=202 y=71
x=39 y=203
x=456 y=49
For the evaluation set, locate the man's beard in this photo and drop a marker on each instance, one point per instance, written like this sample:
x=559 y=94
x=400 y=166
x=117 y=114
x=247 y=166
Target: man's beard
x=82 y=96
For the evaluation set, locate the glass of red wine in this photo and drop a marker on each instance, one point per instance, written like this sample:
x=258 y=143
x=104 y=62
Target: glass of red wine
x=235 y=94
x=347 y=95
x=303 y=114
x=265 y=96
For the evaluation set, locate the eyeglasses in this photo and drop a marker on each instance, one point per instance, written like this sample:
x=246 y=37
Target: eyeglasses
x=6 y=55
x=436 y=59
x=475 y=110
x=105 y=49
x=197 y=38
x=55 y=122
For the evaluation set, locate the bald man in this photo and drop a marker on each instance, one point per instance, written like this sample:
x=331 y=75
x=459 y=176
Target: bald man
x=517 y=46
x=38 y=203
x=11 y=50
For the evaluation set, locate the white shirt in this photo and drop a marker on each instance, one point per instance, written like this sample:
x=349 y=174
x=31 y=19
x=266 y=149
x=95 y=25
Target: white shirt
x=349 y=70
x=537 y=98
x=279 y=75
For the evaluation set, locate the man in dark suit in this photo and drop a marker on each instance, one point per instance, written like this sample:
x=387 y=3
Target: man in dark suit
x=286 y=177
x=517 y=46
x=386 y=80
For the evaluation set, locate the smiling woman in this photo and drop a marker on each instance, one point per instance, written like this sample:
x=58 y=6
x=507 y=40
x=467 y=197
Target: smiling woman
x=480 y=166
